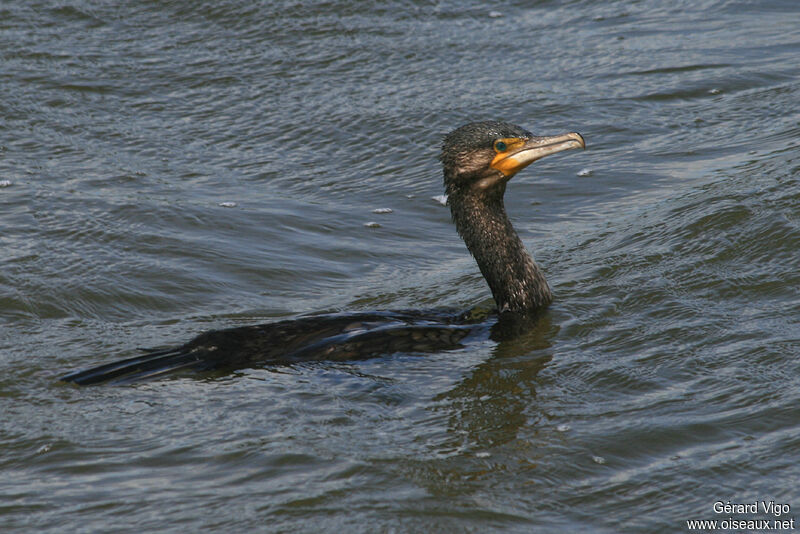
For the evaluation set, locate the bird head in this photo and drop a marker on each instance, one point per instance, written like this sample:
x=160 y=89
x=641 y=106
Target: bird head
x=481 y=157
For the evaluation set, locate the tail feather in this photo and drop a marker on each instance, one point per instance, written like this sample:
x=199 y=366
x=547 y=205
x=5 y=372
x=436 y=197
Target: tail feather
x=142 y=367
x=156 y=372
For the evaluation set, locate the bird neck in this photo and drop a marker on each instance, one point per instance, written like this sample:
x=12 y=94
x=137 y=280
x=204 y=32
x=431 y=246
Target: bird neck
x=517 y=283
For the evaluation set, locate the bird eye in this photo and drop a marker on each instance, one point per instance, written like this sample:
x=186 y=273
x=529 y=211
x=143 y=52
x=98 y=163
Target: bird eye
x=500 y=146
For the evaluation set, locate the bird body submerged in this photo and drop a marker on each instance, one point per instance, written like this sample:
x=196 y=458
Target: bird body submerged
x=478 y=160
x=332 y=337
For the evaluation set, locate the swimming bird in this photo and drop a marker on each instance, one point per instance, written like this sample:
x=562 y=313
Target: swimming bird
x=478 y=160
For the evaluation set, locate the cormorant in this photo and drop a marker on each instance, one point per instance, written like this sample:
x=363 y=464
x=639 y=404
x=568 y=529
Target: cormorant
x=478 y=160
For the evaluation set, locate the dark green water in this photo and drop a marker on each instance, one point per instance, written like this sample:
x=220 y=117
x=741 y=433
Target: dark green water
x=664 y=378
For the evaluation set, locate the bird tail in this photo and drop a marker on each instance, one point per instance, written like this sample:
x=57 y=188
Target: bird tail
x=152 y=364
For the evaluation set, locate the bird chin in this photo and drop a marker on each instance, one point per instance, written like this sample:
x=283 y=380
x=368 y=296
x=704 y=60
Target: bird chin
x=484 y=184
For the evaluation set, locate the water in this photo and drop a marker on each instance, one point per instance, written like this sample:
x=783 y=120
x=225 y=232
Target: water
x=168 y=169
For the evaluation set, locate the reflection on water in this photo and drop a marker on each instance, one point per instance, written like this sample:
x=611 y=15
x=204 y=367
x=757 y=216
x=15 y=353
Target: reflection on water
x=492 y=402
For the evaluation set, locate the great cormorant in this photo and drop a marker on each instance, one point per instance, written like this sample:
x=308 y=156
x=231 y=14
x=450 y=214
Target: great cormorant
x=478 y=160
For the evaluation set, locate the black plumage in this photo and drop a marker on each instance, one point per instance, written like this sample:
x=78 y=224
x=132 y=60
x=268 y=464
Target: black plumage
x=478 y=159
x=516 y=282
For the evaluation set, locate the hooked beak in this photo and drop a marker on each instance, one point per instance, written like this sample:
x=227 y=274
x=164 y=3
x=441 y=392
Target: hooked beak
x=518 y=157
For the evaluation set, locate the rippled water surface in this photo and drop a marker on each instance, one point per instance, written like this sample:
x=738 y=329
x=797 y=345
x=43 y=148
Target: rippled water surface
x=172 y=167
